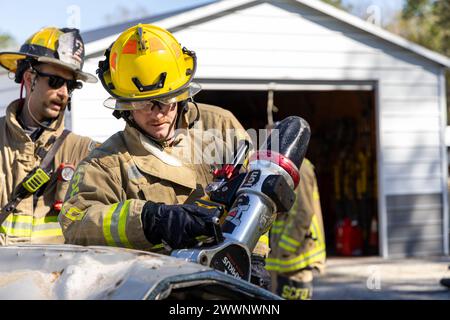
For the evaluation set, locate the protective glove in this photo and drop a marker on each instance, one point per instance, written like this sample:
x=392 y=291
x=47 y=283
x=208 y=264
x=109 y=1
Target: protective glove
x=259 y=275
x=177 y=225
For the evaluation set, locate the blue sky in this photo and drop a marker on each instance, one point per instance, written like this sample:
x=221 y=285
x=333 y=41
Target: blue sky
x=20 y=22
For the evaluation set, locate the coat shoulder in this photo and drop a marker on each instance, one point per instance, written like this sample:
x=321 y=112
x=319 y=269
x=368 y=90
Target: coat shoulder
x=210 y=111
x=81 y=141
x=111 y=153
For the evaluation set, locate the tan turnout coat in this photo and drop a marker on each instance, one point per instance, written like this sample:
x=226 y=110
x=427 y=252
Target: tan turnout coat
x=110 y=187
x=33 y=223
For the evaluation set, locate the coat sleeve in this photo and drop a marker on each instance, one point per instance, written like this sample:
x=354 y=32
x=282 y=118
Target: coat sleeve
x=97 y=212
x=300 y=216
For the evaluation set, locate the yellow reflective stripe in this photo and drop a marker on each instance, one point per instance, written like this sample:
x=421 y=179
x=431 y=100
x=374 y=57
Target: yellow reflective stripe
x=316 y=230
x=290 y=240
x=320 y=234
x=308 y=162
x=30 y=219
x=29 y=233
x=16 y=232
x=300 y=262
x=316 y=250
x=316 y=195
x=20 y=231
x=264 y=239
x=277 y=227
x=158 y=246
x=107 y=225
x=55 y=232
x=123 y=224
x=114 y=225
x=27 y=226
x=40 y=233
x=286 y=246
x=278 y=223
x=317 y=253
x=19 y=218
x=114 y=230
x=298 y=258
x=45 y=220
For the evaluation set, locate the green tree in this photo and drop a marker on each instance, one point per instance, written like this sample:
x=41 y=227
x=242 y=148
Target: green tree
x=427 y=22
x=338 y=4
x=6 y=41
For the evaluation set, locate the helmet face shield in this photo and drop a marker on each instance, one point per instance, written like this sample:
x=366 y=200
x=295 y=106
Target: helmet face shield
x=128 y=105
x=185 y=94
x=115 y=104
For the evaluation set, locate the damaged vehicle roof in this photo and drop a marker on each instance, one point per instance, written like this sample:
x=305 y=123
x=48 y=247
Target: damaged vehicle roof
x=78 y=272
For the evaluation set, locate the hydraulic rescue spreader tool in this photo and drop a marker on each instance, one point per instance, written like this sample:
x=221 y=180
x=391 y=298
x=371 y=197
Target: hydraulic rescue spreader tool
x=247 y=202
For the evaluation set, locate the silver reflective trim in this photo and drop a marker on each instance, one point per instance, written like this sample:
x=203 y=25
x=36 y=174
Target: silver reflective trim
x=114 y=228
x=134 y=173
x=29 y=226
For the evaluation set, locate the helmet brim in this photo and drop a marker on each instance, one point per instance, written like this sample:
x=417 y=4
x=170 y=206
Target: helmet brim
x=80 y=75
x=8 y=60
x=127 y=105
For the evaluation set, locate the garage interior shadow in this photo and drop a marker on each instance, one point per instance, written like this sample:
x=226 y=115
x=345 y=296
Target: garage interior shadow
x=342 y=149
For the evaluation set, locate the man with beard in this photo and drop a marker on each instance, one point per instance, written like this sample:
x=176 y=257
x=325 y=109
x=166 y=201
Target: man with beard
x=37 y=156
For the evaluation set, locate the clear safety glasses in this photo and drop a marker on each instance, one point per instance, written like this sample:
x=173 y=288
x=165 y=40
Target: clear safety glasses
x=165 y=101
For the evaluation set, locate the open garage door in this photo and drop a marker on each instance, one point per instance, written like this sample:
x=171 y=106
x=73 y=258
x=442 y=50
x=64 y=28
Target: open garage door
x=342 y=148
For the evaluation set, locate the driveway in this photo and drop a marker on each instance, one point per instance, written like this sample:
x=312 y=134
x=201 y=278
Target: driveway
x=374 y=278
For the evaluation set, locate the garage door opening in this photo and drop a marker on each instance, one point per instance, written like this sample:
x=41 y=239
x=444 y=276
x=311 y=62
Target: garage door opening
x=342 y=149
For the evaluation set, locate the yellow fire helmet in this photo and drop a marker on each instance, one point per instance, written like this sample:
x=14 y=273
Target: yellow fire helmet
x=62 y=47
x=146 y=62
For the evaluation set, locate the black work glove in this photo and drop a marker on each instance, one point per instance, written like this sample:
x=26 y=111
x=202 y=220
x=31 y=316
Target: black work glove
x=177 y=225
x=260 y=276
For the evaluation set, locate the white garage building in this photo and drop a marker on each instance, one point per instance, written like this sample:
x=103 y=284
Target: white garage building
x=307 y=52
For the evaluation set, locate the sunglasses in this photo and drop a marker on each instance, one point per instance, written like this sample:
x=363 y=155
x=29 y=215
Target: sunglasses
x=56 y=82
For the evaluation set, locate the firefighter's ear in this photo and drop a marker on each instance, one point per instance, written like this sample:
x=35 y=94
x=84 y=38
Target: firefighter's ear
x=29 y=80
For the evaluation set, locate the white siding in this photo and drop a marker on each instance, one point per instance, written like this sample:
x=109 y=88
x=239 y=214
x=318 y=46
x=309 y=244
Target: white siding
x=268 y=42
x=89 y=117
x=9 y=91
x=289 y=42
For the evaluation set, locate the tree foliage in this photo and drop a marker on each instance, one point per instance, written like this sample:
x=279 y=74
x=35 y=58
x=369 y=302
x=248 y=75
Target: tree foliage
x=336 y=3
x=6 y=41
x=427 y=22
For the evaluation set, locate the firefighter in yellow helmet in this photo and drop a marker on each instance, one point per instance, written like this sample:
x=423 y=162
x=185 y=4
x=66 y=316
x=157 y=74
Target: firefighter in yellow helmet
x=37 y=154
x=297 y=241
x=137 y=190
